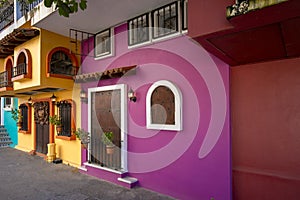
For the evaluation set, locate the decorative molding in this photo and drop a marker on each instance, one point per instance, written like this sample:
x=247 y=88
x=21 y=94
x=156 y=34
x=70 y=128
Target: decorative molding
x=41 y=112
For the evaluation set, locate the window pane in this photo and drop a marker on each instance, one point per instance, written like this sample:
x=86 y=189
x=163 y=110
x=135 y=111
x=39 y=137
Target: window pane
x=165 y=20
x=138 y=30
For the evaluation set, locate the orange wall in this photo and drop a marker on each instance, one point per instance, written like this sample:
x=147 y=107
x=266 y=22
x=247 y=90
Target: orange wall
x=265 y=102
x=205 y=17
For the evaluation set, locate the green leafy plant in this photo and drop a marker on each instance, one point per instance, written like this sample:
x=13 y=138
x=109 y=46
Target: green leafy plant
x=107 y=138
x=16 y=115
x=65 y=7
x=55 y=120
x=82 y=135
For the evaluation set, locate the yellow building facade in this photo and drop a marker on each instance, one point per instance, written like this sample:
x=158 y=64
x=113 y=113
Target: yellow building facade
x=42 y=66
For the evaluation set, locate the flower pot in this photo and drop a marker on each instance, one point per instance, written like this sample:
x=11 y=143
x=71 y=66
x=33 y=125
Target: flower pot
x=58 y=128
x=110 y=149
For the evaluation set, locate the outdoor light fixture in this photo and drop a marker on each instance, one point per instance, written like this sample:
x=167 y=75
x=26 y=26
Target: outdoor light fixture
x=131 y=95
x=83 y=96
x=30 y=101
x=53 y=98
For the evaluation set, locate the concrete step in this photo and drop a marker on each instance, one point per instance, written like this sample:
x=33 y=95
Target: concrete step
x=128 y=181
x=5 y=140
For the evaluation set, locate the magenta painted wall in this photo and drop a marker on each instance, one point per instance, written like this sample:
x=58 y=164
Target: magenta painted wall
x=194 y=163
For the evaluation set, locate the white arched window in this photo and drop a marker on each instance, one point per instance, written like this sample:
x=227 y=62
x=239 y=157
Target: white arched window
x=164 y=106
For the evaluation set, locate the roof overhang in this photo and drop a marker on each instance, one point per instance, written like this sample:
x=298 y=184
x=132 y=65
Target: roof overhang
x=99 y=15
x=17 y=37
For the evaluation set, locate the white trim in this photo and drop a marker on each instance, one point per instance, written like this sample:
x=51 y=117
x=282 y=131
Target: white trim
x=83 y=168
x=10 y=106
x=104 y=168
x=178 y=107
x=123 y=90
x=112 y=45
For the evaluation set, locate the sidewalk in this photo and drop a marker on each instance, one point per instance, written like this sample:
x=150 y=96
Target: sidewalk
x=29 y=177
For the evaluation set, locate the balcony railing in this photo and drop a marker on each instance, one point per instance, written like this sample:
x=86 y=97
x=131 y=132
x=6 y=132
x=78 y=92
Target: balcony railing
x=20 y=69
x=25 y=7
x=6 y=16
x=63 y=70
x=4 y=82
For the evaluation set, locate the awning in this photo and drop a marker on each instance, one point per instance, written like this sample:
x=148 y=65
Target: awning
x=107 y=74
x=15 y=38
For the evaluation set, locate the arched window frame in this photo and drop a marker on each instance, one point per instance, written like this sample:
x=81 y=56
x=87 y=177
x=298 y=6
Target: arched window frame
x=28 y=62
x=68 y=53
x=178 y=107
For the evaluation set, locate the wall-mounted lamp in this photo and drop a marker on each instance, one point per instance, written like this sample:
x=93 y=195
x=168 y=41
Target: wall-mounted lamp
x=30 y=101
x=53 y=98
x=83 y=96
x=131 y=95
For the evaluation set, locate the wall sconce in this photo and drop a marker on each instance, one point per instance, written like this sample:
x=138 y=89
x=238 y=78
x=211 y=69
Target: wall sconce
x=131 y=95
x=30 y=101
x=53 y=98
x=83 y=96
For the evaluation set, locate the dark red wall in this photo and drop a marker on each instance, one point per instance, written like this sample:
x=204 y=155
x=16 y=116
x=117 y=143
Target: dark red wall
x=265 y=108
x=206 y=17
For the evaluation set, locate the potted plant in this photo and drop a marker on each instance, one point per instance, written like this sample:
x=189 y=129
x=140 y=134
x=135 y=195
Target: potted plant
x=83 y=136
x=16 y=115
x=107 y=138
x=55 y=120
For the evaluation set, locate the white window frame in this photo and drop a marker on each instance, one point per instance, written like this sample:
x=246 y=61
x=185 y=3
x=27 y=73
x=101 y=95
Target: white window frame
x=178 y=107
x=181 y=18
x=158 y=12
x=123 y=128
x=134 y=32
x=10 y=106
x=101 y=55
x=184 y=16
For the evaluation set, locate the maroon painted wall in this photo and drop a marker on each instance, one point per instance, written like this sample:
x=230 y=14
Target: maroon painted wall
x=206 y=17
x=265 y=107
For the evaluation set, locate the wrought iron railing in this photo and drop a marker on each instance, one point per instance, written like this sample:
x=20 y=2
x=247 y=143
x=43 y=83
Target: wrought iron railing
x=20 y=69
x=25 y=7
x=6 y=16
x=4 y=82
x=63 y=70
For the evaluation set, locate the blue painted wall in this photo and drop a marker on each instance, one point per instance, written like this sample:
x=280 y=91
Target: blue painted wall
x=11 y=125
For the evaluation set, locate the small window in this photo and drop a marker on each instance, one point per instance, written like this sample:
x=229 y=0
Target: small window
x=66 y=111
x=104 y=43
x=164 y=106
x=8 y=103
x=138 y=30
x=184 y=14
x=24 y=112
x=165 y=20
x=62 y=64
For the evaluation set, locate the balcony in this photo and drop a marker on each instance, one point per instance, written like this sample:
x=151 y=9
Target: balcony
x=24 y=8
x=6 y=16
x=263 y=31
x=20 y=69
x=5 y=82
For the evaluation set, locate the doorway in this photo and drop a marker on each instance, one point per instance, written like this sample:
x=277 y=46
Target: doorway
x=41 y=119
x=107 y=113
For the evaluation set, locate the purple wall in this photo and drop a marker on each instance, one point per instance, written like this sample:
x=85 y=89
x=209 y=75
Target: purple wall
x=189 y=164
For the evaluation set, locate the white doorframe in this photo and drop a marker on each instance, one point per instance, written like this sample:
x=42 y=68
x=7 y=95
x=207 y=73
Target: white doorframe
x=123 y=125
